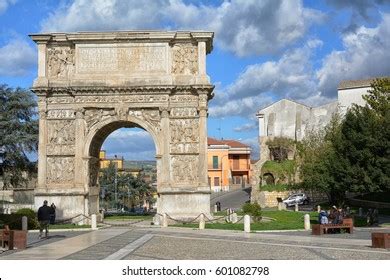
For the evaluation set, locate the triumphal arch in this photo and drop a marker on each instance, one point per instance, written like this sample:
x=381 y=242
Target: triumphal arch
x=92 y=83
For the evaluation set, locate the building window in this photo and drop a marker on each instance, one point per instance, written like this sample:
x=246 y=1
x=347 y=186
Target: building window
x=237 y=180
x=215 y=162
x=216 y=181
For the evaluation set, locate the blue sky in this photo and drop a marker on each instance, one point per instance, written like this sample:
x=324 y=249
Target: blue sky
x=264 y=50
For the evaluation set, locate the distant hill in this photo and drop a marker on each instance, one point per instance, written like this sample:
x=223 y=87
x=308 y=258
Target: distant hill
x=145 y=164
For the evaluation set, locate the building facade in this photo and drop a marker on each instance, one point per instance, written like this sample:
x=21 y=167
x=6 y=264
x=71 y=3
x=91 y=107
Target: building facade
x=229 y=165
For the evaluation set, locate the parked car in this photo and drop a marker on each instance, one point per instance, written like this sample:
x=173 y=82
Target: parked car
x=299 y=198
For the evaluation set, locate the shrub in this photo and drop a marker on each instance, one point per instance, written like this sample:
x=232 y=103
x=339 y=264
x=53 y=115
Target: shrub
x=31 y=217
x=252 y=209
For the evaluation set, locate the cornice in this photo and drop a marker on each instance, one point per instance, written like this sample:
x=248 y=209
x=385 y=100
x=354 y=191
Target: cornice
x=107 y=90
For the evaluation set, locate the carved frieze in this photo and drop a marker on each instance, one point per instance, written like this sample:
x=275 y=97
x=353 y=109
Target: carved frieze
x=60 y=62
x=185 y=168
x=60 y=169
x=151 y=116
x=61 y=137
x=183 y=112
x=94 y=115
x=123 y=99
x=61 y=114
x=184 y=99
x=185 y=59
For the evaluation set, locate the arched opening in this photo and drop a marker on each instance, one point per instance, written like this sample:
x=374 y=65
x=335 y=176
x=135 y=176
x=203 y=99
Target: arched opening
x=118 y=180
x=268 y=179
x=128 y=172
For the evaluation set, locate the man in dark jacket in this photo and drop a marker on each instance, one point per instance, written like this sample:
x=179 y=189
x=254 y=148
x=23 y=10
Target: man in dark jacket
x=44 y=218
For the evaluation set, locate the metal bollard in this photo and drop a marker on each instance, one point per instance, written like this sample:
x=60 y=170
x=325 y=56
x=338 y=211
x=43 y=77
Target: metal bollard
x=94 y=221
x=202 y=223
x=24 y=223
x=307 y=221
x=165 y=220
x=247 y=223
x=318 y=208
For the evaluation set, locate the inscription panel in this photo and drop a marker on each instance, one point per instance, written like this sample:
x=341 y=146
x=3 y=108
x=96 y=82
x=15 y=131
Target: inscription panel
x=122 y=58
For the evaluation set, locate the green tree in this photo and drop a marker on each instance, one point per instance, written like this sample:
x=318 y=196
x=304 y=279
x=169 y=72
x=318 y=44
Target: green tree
x=19 y=133
x=365 y=142
x=320 y=168
x=131 y=191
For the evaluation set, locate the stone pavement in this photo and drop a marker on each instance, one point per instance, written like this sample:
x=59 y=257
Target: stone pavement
x=148 y=242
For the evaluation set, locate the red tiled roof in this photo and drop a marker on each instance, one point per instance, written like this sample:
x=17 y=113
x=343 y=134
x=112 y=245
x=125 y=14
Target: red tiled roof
x=212 y=141
x=229 y=142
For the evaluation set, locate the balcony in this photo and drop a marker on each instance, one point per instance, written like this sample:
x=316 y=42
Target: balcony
x=214 y=166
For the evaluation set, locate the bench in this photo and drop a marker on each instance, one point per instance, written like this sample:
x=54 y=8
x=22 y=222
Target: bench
x=380 y=240
x=320 y=229
x=15 y=239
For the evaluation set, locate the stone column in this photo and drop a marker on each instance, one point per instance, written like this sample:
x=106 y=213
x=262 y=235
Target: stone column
x=202 y=58
x=42 y=160
x=80 y=173
x=203 y=180
x=165 y=161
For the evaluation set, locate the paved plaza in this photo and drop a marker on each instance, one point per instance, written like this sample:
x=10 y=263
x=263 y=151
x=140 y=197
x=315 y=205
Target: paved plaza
x=148 y=242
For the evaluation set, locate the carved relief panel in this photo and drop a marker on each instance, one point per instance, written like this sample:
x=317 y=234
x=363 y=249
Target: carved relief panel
x=94 y=115
x=151 y=116
x=185 y=168
x=60 y=137
x=60 y=62
x=60 y=170
x=184 y=135
x=185 y=59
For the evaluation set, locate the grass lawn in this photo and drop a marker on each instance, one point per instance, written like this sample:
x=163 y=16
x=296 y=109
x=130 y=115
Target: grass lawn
x=284 y=220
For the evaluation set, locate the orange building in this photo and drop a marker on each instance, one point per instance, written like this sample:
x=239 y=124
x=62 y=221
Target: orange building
x=228 y=164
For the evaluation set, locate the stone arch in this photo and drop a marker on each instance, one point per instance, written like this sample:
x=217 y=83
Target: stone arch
x=99 y=132
x=89 y=85
x=268 y=179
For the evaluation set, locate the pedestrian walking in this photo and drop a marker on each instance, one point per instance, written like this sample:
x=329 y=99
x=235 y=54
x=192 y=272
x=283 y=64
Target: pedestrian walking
x=44 y=218
x=52 y=214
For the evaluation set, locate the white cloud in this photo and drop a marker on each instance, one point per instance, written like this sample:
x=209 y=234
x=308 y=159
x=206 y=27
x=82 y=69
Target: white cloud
x=17 y=58
x=291 y=77
x=246 y=127
x=4 y=4
x=245 y=27
x=132 y=144
x=365 y=54
x=253 y=142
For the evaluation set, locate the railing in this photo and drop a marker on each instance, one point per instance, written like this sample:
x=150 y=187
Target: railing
x=214 y=167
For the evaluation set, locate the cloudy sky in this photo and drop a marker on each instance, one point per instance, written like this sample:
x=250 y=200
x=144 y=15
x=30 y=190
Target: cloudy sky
x=264 y=50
